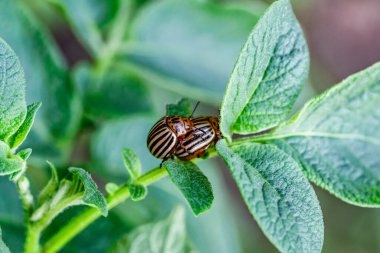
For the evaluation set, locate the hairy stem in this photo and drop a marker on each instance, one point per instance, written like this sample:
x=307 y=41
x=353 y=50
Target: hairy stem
x=80 y=222
x=83 y=220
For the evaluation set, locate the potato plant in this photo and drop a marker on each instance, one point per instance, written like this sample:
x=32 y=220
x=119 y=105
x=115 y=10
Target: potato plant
x=272 y=153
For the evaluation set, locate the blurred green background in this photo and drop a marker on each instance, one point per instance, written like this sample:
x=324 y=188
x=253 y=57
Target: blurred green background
x=105 y=69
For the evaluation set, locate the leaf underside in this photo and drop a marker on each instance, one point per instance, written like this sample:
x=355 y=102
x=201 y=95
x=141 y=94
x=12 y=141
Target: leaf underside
x=336 y=138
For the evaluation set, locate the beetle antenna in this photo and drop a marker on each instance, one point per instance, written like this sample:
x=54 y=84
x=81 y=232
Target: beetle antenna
x=194 y=109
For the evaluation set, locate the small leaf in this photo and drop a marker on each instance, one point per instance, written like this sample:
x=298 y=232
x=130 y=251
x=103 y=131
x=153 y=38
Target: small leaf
x=3 y=247
x=168 y=235
x=18 y=138
x=111 y=188
x=24 y=155
x=12 y=92
x=9 y=164
x=138 y=192
x=277 y=194
x=132 y=163
x=336 y=138
x=92 y=196
x=268 y=75
x=192 y=183
x=182 y=108
x=51 y=186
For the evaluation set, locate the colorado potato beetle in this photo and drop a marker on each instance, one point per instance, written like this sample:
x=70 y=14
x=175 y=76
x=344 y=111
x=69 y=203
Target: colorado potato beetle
x=165 y=135
x=205 y=132
x=185 y=138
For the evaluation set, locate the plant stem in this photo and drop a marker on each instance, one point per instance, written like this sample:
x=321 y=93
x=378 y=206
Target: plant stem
x=80 y=222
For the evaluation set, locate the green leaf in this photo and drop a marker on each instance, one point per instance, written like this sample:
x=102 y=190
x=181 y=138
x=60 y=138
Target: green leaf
x=111 y=188
x=113 y=94
x=182 y=108
x=277 y=194
x=18 y=138
x=132 y=163
x=192 y=183
x=25 y=153
x=336 y=138
x=168 y=235
x=9 y=164
x=268 y=74
x=180 y=46
x=12 y=92
x=92 y=196
x=47 y=78
x=138 y=192
x=96 y=21
x=48 y=191
x=3 y=247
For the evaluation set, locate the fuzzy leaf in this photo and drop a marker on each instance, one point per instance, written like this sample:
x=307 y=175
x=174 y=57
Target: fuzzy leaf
x=277 y=194
x=132 y=163
x=25 y=153
x=168 y=235
x=9 y=164
x=138 y=192
x=18 y=138
x=12 y=92
x=182 y=108
x=336 y=138
x=92 y=196
x=192 y=183
x=3 y=247
x=111 y=188
x=51 y=186
x=268 y=74
x=48 y=81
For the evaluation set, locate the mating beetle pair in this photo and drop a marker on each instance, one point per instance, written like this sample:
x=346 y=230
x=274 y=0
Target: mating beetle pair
x=185 y=138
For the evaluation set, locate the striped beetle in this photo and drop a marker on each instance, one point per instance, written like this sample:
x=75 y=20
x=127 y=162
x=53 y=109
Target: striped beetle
x=205 y=132
x=185 y=138
x=165 y=135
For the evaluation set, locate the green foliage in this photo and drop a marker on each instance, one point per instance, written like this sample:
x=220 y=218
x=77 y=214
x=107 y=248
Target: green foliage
x=49 y=189
x=99 y=25
x=111 y=94
x=115 y=135
x=3 y=247
x=132 y=163
x=268 y=75
x=181 y=47
x=277 y=195
x=91 y=195
x=47 y=78
x=18 y=138
x=336 y=138
x=143 y=56
x=12 y=92
x=111 y=188
x=182 y=108
x=9 y=163
x=138 y=192
x=168 y=235
x=192 y=183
